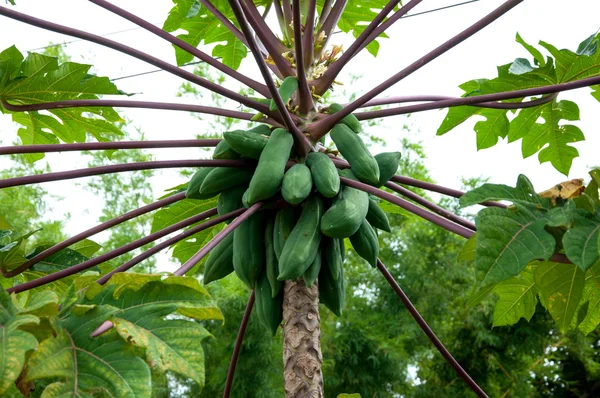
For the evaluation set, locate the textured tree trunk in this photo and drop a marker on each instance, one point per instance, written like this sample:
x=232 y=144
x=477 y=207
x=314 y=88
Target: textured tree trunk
x=302 y=359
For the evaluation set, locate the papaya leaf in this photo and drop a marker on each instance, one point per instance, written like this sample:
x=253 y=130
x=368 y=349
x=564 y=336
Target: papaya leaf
x=523 y=193
x=13 y=254
x=537 y=55
x=40 y=78
x=14 y=343
x=495 y=126
x=58 y=261
x=179 y=211
x=42 y=304
x=517 y=298
x=185 y=249
x=4 y=224
x=591 y=296
x=561 y=288
x=467 y=253
x=478 y=295
x=509 y=239
x=581 y=241
x=86 y=247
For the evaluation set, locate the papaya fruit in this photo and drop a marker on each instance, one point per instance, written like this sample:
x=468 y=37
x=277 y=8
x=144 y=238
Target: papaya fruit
x=377 y=217
x=285 y=220
x=302 y=245
x=346 y=214
x=269 y=172
x=246 y=143
x=219 y=263
x=230 y=200
x=362 y=163
x=224 y=151
x=288 y=87
x=297 y=184
x=222 y=178
x=388 y=165
x=262 y=129
x=269 y=309
x=312 y=273
x=324 y=174
x=331 y=249
x=249 y=249
x=271 y=263
x=349 y=120
x=332 y=292
x=193 y=188
x=365 y=243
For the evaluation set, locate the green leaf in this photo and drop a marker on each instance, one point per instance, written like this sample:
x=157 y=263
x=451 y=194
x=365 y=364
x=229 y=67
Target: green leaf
x=591 y=295
x=516 y=299
x=509 y=239
x=185 y=249
x=4 y=225
x=86 y=247
x=561 y=288
x=179 y=211
x=42 y=304
x=478 y=295
x=356 y=17
x=523 y=193
x=456 y=116
x=58 y=261
x=14 y=343
x=537 y=55
x=348 y=396
x=13 y=254
x=581 y=241
x=495 y=126
x=467 y=253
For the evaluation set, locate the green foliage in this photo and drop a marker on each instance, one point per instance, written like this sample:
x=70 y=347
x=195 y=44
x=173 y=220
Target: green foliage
x=38 y=79
x=551 y=138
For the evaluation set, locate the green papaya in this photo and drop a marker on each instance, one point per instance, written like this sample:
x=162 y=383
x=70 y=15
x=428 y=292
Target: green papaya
x=331 y=249
x=346 y=214
x=262 y=129
x=222 y=178
x=269 y=309
x=193 y=189
x=224 y=151
x=269 y=172
x=249 y=249
x=331 y=291
x=219 y=263
x=362 y=163
x=377 y=217
x=288 y=87
x=271 y=263
x=388 y=165
x=365 y=243
x=312 y=273
x=285 y=220
x=297 y=184
x=349 y=120
x=324 y=174
x=230 y=200
x=302 y=246
x=246 y=143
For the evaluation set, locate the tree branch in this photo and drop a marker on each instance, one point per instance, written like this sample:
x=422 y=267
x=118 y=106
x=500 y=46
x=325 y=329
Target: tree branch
x=136 y=54
x=168 y=243
x=112 y=254
x=308 y=40
x=92 y=231
x=429 y=332
x=305 y=101
x=238 y=344
x=129 y=104
x=302 y=143
x=119 y=168
x=253 y=84
x=101 y=146
x=320 y=128
x=431 y=206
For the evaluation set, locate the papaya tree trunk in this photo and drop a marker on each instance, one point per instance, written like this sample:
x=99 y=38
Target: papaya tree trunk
x=302 y=358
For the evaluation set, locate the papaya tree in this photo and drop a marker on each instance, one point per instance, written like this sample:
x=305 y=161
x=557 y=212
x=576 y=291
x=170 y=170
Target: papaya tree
x=278 y=203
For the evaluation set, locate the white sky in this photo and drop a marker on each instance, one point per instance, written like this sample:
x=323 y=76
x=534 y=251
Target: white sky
x=564 y=24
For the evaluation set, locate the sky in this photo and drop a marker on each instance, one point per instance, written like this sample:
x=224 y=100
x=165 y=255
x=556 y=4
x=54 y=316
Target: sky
x=449 y=157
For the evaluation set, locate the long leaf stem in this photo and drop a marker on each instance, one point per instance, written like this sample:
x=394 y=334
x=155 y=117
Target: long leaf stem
x=431 y=206
x=167 y=243
x=325 y=10
x=209 y=110
x=93 y=231
x=478 y=99
x=329 y=25
x=308 y=39
x=28 y=19
x=101 y=146
x=303 y=145
x=112 y=254
x=429 y=332
x=253 y=84
x=287 y=17
x=320 y=128
x=305 y=102
x=189 y=264
x=238 y=345
x=119 y=168
x=225 y=21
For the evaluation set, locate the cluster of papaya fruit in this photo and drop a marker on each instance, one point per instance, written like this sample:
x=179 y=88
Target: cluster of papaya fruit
x=300 y=231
